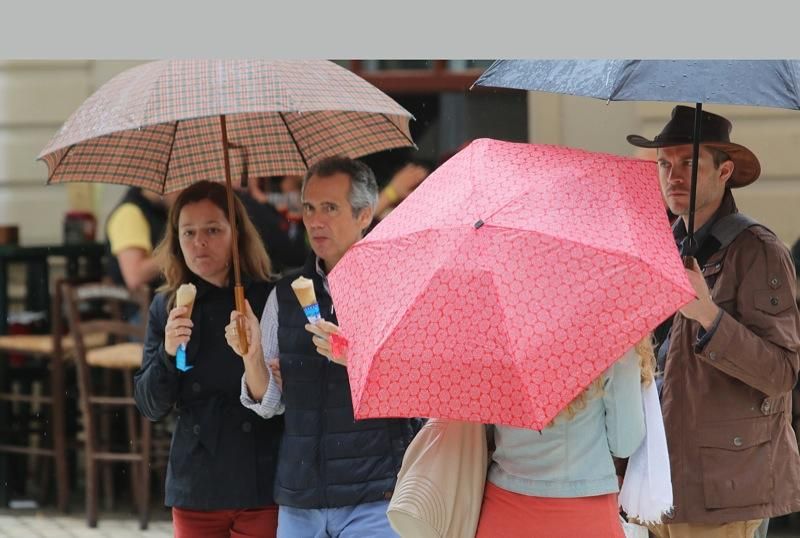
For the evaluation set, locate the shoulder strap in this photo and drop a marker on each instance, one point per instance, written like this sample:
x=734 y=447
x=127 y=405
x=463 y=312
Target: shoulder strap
x=727 y=228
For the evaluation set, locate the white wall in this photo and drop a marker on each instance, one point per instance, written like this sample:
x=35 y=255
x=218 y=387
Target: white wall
x=36 y=97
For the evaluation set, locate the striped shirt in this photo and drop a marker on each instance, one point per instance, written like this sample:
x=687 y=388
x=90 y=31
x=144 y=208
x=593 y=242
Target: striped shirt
x=272 y=402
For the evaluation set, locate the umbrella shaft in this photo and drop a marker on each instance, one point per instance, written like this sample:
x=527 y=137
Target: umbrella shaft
x=691 y=247
x=231 y=205
x=238 y=290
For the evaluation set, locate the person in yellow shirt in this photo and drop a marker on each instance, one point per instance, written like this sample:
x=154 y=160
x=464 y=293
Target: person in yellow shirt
x=133 y=230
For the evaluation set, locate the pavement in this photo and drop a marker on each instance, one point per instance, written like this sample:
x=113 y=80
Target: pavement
x=50 y=524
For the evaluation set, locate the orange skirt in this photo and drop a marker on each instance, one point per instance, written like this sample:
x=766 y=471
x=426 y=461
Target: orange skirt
x=512 y=515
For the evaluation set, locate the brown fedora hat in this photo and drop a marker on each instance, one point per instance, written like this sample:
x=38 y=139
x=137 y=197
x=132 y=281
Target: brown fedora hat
x=715 y=132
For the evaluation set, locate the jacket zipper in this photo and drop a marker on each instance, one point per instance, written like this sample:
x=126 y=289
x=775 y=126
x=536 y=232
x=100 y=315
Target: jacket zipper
x=324 y=431
x=324 y=422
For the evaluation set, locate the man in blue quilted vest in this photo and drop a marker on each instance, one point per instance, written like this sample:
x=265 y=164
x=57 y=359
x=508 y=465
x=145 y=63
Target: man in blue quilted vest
x=335 y=474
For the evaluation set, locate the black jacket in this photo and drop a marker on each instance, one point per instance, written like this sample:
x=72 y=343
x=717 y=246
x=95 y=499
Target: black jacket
x=223 y=456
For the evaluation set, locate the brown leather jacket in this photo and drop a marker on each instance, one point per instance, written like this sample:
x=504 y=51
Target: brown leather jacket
x=727 y=407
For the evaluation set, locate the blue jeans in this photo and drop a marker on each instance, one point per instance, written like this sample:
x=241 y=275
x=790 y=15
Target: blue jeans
x=358 y=521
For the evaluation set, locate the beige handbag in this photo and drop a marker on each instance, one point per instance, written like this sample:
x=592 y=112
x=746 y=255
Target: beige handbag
x=439 y=488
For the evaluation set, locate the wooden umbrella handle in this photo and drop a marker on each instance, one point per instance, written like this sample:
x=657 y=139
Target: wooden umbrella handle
x=238 y=292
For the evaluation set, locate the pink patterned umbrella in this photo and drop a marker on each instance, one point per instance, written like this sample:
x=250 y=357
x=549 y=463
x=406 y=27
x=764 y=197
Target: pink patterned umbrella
x=507 y=282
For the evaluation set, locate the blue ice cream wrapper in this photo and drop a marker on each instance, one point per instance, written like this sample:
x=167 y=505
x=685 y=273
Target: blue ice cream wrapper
x=312 y=313
x=180 y=359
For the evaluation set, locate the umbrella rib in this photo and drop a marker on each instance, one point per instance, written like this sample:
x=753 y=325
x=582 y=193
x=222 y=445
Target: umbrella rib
x=795 y=86
x=169 y=157
x=160 y=68
x=387 y=331
x=398 y=129
x=608 y=250
x=288 y=130
x=499 y=209
x=61 y=160
x=620 y=80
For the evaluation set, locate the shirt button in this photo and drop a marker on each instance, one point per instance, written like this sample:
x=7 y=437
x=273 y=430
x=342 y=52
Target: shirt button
x=246 y=427
x=773 y=301
x=738 y=441
x=670 y=514
x=196 y=429
x=774 y=282
x=712 y=356
x=765 y=407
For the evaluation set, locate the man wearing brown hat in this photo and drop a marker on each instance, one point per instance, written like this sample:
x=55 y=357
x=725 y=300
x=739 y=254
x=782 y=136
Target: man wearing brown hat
x=731 y=357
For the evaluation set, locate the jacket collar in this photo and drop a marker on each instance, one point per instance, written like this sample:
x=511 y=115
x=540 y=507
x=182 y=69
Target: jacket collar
x=727 y=207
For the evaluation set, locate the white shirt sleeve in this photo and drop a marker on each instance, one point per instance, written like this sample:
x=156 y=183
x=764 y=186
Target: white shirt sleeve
x=272 y=402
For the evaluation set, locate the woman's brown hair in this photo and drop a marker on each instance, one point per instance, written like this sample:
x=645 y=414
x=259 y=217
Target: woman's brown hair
x=253 y=257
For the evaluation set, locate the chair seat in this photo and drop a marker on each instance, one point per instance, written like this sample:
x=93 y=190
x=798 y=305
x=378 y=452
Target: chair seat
x=125 y=355
x=42 y=344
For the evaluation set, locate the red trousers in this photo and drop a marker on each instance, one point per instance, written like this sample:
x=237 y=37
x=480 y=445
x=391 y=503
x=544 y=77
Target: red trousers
x=251 y=523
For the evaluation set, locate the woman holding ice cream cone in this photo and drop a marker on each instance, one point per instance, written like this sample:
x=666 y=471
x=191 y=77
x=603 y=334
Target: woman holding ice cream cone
x=222 y=458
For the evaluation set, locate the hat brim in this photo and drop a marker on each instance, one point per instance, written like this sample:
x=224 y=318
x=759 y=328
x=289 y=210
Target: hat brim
x=746 y=167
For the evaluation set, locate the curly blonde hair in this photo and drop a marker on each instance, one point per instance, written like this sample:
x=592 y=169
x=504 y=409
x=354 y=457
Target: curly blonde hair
x=168 y=254
x=647 y=365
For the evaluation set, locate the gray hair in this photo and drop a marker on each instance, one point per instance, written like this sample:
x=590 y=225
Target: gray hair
x=363 y=186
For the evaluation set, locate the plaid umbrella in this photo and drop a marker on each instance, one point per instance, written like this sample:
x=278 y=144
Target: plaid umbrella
x=166 y=124
x=157 y=126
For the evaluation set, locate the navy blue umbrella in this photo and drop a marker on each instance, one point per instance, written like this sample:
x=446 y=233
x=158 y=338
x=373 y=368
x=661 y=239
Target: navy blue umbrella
x=770 y=83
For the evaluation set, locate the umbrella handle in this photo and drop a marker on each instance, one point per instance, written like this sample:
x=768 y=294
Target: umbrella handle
x=238 y=293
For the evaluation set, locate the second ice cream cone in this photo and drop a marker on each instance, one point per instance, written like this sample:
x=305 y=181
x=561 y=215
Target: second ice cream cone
x=304 y=290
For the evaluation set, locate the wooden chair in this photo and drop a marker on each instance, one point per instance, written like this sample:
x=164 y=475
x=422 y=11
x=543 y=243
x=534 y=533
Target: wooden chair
x=56 y=349
x=122 y=356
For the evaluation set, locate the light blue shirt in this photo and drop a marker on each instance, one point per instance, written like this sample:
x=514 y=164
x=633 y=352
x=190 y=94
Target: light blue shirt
x=573 y=457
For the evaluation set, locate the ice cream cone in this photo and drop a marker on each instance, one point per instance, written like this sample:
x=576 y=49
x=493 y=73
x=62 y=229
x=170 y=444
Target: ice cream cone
x=304 y=290
x=185 y=297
